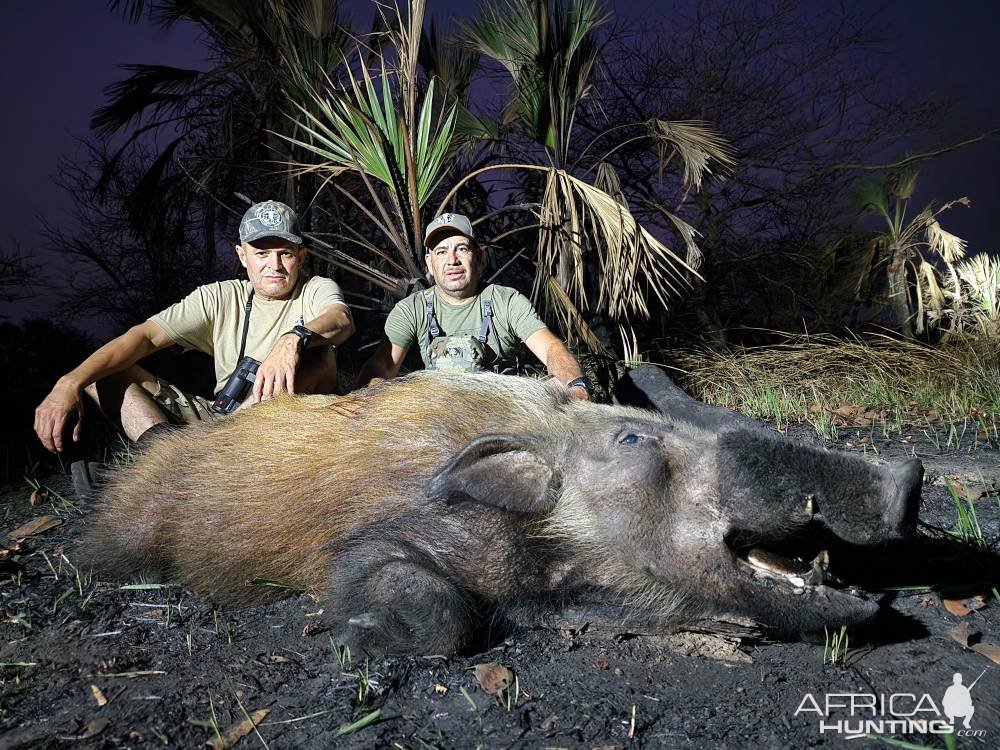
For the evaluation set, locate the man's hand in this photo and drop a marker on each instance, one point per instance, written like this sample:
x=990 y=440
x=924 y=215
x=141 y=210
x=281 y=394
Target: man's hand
x=579 y=392
x=54 y=413
x=276 y=374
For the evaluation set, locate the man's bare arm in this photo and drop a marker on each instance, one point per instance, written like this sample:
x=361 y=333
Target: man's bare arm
x=383 y=364
x=558 y=360
x=65 y=400
x=276 y=373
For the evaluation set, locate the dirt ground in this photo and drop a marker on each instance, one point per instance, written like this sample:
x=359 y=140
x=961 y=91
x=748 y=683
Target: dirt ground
x=88 y=664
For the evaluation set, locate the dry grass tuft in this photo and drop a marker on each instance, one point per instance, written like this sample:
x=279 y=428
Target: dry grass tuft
x=906 y=382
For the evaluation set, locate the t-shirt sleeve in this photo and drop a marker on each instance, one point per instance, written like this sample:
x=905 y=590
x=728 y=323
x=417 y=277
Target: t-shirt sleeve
x=321 y=293
x=401 y=325
x=521 y=316
x=189 y=322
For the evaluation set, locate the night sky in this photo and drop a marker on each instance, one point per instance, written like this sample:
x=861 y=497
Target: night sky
x=59 y=55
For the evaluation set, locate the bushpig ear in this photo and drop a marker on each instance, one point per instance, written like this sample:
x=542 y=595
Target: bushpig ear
x=506 y=471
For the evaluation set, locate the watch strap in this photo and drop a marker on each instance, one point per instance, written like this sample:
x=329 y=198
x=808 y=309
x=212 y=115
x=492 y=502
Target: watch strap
x=582 y=382
x=304 y=334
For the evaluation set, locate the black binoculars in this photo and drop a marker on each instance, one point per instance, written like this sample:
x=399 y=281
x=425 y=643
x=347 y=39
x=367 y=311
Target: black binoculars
x=237 y=388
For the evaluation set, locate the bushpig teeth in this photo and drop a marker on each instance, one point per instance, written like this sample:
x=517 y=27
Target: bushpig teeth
x=769 y=561
x=819 y=564
x=810 y=506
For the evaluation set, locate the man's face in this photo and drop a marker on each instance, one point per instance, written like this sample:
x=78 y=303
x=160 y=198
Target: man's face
x=455 y=263
x=273 y=265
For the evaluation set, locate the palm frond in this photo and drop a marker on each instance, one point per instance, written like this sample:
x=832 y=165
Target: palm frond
x=150 y=87
x=701 y=149
x=630 y=260
x=944 y=243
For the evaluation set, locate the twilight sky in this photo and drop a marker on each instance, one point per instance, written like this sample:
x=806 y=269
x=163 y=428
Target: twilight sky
x=59 y=55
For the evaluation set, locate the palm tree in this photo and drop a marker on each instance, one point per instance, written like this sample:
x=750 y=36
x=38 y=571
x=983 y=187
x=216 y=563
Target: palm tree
x=901 y=246
x=376 y=127
x=223 y=121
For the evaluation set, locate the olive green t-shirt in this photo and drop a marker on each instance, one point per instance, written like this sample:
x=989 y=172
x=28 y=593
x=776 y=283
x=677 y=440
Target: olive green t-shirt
x=210 y=319
x=514 y=320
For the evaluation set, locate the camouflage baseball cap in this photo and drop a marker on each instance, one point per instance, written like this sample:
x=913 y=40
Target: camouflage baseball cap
x=269 y=219
x=454 y=222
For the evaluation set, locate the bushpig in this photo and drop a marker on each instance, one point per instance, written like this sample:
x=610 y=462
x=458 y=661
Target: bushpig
x=425 y=509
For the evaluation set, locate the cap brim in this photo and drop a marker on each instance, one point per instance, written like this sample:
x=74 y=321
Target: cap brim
x=284 y=235
x=432 y=239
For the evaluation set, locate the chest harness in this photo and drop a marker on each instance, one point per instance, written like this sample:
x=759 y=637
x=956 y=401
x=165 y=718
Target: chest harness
x=457 y=353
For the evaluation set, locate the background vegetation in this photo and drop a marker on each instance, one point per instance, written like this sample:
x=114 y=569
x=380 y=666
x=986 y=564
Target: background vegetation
x=677 y=193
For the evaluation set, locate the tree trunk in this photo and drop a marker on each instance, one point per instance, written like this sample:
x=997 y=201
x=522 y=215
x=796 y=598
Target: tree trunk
x=899 y=301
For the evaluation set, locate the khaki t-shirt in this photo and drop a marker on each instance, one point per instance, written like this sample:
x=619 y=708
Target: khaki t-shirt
x=514 y=320
x=210 y=319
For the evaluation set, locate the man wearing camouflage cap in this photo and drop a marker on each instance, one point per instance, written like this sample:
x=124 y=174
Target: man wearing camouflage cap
x=463 y=326
x=273 y=316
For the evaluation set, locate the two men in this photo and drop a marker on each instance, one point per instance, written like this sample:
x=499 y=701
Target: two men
x=460 y=325
x=274 y=316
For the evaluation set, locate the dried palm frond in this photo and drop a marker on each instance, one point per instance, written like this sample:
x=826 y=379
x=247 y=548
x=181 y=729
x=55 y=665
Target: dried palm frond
x=696 y=143
x=930 y=298
x=981 y=276
x=631 y=356
x=629 y=259
x=570 y=320
x=944 y=243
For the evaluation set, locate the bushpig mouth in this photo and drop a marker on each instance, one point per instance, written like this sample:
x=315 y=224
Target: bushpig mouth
x=795 y=565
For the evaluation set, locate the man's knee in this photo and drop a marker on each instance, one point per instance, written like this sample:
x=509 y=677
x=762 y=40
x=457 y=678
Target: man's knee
x=120 y=381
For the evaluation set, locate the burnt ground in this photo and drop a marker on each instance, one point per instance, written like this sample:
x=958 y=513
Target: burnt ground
x=86 y=664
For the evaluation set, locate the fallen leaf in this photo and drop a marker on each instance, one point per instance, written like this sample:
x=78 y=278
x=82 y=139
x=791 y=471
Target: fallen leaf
x=956 y=607
x=238 y=731
x=549 y=722
x=278 y=659
x=493 y=678
x=601 y=663
x=98 y=695
x=960 y=634
x=440 y=689
x=35 y=526
x=847 y=410
x=34 y=496
x=989 y=650
x=92 y=729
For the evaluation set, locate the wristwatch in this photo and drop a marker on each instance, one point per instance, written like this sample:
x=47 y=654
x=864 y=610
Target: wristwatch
x=582 y=382
x=304 y=334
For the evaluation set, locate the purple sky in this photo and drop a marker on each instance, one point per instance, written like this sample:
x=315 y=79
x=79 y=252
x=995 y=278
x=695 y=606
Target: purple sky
x=59 y=55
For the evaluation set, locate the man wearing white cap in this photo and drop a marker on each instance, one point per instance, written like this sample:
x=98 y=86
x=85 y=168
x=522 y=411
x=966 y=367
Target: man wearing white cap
x=463 y=327
x=273 y=316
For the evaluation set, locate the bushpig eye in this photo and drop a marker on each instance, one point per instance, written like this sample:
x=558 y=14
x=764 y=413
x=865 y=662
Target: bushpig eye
x=630 y=439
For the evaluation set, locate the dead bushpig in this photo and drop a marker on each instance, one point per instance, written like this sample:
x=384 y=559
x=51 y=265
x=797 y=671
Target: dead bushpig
x=428 y=507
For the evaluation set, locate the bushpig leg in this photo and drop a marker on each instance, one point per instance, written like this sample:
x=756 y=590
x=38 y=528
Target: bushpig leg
x=649 y=387
x=390 y=596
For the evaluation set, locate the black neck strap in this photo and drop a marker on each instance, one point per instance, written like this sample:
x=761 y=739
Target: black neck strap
x=246 y=325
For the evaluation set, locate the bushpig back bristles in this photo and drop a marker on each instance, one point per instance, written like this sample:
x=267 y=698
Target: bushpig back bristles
x=269 y=492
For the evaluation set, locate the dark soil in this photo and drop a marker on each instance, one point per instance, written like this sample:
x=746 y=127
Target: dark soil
x=86 y=664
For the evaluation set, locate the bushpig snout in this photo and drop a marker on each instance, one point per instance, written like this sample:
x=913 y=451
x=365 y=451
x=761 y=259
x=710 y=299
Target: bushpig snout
x=905 y=480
